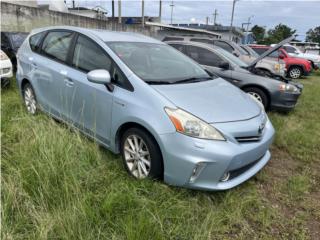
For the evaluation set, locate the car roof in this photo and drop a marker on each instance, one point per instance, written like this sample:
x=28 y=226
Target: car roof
x=104 y=35
x=200 y=44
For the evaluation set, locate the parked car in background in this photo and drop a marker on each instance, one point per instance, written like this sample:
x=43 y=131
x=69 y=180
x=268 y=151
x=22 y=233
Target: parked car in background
x=10 y=43
x=265 y=67
x=227 y=45
x=296 y=67
x=5 y=69
x=295 y=52
x=141 y=98
x=273 y=94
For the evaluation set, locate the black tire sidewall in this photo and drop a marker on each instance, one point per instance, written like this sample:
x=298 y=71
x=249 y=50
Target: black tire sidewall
x=156 y=170
x=260 y=93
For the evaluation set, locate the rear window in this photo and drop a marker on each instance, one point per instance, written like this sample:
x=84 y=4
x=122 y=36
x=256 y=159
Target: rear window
x=34 y=41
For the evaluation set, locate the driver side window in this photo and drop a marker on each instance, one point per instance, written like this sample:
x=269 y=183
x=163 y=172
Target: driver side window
x=204 y=56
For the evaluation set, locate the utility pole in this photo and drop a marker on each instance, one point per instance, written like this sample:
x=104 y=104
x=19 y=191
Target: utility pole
x=160 y=10
x=215 y=16
x=119 y=11
x=248 y=23
x=112 y=7
x=142 y=13
x=233 y=5
x=171 y=5
x=207 y=21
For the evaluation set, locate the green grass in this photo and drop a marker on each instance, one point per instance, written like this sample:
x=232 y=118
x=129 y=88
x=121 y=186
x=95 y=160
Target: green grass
x=57 y=184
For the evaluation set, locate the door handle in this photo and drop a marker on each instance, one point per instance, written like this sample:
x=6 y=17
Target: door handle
x=34 y=65
x=68 y=82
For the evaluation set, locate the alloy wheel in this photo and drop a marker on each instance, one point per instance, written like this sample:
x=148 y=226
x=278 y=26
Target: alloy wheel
x=30 y=100
x=295 y=73
x=256 y=96
x=137 y=156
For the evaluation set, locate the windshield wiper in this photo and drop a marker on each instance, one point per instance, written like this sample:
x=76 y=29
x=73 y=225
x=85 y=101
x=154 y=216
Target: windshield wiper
x=158 y=82
x=193 y=79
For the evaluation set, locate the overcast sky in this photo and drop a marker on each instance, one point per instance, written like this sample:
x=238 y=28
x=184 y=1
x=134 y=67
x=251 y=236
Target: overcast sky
x=299 y=15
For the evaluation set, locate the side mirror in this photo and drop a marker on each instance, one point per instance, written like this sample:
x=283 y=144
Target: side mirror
x=281 y=56
x=224 y=65
x=99 y=76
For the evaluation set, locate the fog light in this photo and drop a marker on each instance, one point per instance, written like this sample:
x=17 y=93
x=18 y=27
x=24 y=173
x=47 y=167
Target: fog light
x=196 y=171
x=225 y=177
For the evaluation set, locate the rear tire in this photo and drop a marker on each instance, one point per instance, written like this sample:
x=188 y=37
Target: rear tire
x=295 y=72
x=141 y=154
x=259 y=95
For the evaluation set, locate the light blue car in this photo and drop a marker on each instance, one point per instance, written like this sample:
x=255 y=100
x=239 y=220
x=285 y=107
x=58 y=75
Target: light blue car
x=144 y=99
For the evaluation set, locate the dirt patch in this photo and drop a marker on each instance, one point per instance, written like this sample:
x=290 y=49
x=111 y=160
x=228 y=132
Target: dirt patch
x=281 y=167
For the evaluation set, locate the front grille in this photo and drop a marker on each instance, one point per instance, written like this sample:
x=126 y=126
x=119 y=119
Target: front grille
x=249 y=139
x=237 y=172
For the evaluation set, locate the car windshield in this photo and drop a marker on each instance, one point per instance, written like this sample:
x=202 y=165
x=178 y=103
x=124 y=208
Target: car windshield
x=232 y=58
x=158 y=63
x=17 y=39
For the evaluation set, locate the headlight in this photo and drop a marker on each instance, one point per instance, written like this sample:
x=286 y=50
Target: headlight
x=3 y=56
x=284 y=87
x=192 y=126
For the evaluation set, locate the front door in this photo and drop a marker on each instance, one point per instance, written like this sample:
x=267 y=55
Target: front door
x=89 y=104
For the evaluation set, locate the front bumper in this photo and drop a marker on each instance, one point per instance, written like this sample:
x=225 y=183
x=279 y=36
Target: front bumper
x=243 y=160
x=284 y=101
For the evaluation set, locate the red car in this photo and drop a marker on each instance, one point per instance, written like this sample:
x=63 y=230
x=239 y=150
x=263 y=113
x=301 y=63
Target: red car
x=296 y=67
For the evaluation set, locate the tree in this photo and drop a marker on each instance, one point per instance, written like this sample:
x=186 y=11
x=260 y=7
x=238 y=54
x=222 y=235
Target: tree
x=279 y=33
x=313 y=35
x=258 y=33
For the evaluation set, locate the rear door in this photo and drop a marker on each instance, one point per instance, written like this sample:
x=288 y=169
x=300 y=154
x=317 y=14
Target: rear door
x=49 y=71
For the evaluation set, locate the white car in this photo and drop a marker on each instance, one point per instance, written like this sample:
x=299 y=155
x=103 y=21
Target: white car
x=295 y=52
x=5 y=69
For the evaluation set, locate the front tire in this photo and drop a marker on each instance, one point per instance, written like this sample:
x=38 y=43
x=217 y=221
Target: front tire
x=141 y=154
x=295 y=72
x=259 y=95
x=29 y=98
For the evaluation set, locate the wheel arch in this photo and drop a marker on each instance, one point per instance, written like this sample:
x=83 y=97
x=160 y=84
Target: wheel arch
x=296 y=65
x=262 y=88
x=127 y=125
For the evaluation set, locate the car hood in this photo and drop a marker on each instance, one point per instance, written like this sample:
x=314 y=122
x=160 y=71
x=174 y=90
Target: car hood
x=212 y=101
